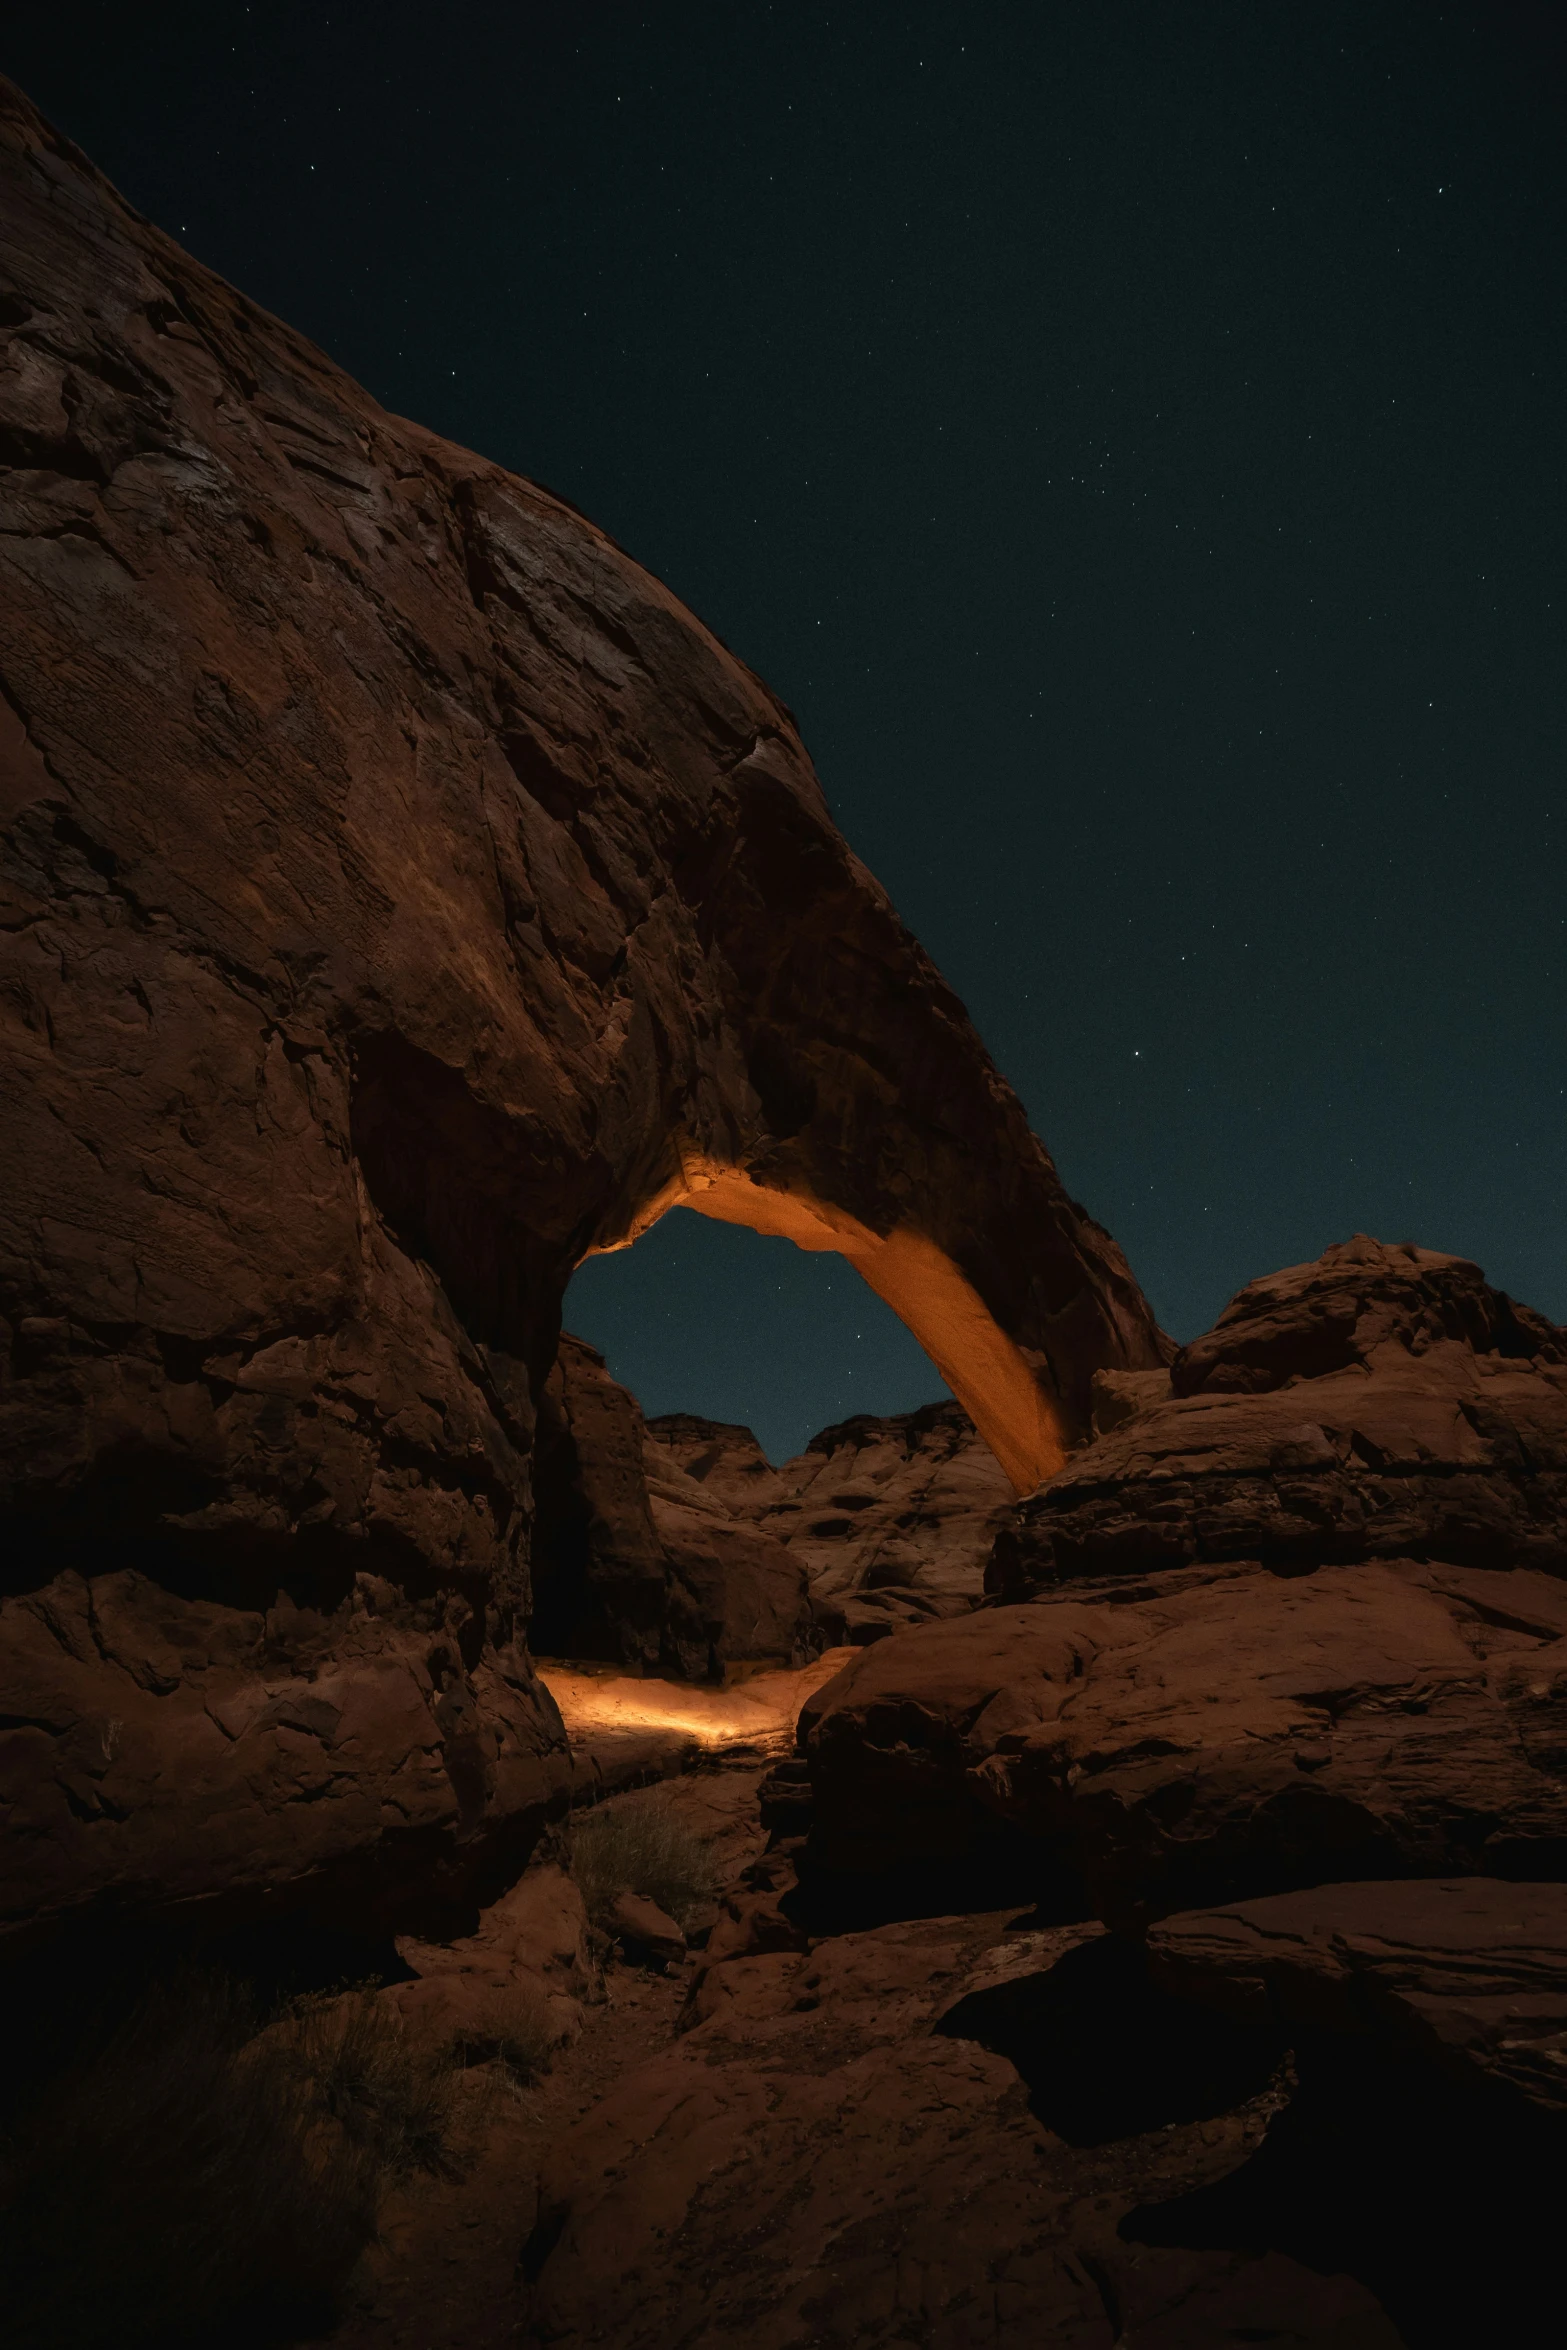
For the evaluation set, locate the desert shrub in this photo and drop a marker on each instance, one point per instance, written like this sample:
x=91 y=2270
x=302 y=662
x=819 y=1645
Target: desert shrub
x=352 y=2066
x=641 y=1847
x=192 y=2178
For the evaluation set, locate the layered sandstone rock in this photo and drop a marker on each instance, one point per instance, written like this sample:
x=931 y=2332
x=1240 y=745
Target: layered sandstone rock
x=1380 y=1403
x=1280 y=1637
x=1214 y=1735
x=403 y=895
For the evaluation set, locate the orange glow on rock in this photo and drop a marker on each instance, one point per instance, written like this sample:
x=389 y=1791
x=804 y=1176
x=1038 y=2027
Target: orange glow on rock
x=985 y=1369
x=762 y=1710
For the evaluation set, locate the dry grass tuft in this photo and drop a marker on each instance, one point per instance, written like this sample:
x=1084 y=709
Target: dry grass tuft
x=642 y=1847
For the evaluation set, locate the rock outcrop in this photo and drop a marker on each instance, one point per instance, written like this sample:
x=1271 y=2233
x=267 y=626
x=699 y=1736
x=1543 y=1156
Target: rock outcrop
x=1380 y=1403
x=1280 y=1637
x=403 y=896
x=638 y=1564
x=674 y=1546
x=893 y=1519
x=829 y=2157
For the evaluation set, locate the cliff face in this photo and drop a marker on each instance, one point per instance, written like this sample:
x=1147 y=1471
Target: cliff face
x=403 y=896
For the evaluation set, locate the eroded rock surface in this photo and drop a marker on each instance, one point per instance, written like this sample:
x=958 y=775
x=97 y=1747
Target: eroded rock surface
x=1215 y=1735
x=518 y=1981
x=639 y=1564
x=818 y=2161
x=403 y=895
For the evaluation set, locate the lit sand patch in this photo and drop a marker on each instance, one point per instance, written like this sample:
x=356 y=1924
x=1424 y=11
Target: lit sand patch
x=760 y=1711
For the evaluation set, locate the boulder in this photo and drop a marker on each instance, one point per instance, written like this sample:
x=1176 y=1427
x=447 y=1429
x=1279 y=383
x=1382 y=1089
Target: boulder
x=404 y=896
x=515 y=1986
x=1467 y=1972
x=644 y=1930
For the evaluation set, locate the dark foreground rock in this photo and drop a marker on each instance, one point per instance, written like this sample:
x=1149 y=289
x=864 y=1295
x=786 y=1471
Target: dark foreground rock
x=820 y=2160
x=1331 y=2118
x=402 y=897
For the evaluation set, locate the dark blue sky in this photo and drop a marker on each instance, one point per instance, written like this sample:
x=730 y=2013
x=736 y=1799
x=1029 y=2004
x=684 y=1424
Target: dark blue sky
x=1130 y=438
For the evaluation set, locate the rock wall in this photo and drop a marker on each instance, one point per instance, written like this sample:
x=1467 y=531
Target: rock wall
x=402 y=897
x=674 y=1546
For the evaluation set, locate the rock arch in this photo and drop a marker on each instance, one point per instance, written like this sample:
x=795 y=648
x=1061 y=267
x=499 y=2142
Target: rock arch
x=1014 y=1410
x=406 y=895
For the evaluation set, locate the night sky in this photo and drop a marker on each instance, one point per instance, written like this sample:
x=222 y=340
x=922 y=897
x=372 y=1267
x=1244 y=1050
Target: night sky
x=1131 y=438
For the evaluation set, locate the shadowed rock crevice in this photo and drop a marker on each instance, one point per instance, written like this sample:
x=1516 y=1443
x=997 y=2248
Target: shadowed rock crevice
x=1443 y=2200
x=1106 y=2053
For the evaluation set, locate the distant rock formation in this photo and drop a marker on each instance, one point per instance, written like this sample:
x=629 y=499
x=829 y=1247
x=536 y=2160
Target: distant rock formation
x=893 y=1518
x=403 y=897
x=674 y=1546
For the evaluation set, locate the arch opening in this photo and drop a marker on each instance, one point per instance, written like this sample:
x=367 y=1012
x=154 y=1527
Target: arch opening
x=985 y=1369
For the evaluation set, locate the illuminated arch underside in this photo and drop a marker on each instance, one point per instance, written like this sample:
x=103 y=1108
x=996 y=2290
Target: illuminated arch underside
x=985 y=1369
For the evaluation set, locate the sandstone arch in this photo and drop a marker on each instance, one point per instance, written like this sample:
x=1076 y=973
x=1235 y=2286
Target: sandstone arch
x=986 y=1370
x=403 y=892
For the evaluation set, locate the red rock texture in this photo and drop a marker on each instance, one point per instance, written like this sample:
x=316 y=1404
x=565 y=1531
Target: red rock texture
x=638 y=1564
x=402 y=895
x=1467 y=1972
x=1211 y=1736
x=520 y=1979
